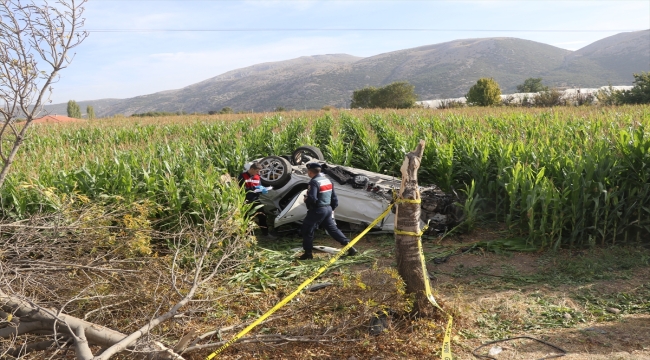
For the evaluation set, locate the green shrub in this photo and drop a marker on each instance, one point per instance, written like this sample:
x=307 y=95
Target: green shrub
x=640 y=93
x=158 y=114
x=548 y=98
x=486 y=92
x=364 y=98
x=225 y=110
x=608 y=96
x=532 y=85
x=450 y=104
x=398 y=95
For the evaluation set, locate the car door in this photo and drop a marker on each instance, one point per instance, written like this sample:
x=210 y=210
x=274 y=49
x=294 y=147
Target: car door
x=294 y=211
x=360 y=207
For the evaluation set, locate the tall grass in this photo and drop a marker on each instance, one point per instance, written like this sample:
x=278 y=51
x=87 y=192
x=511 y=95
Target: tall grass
x=567 y=177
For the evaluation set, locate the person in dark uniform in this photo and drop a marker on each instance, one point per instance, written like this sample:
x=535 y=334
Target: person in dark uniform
x=250 y=180
x=321 y=202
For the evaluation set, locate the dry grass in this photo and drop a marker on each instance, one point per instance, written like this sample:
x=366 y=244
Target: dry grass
x=491 y=296
x=488 y=308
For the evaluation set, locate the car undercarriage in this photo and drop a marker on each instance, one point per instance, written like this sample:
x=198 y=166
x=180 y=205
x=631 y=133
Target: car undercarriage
x=363 y=195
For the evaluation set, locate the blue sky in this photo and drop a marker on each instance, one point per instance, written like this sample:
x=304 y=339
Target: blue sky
x=138 y=61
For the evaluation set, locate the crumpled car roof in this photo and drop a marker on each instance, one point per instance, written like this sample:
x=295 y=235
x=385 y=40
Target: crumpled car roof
x=438 y=208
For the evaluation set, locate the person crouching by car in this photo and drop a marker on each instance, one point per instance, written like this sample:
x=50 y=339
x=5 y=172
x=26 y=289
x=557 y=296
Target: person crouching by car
x=321 y=202
x=250 y=180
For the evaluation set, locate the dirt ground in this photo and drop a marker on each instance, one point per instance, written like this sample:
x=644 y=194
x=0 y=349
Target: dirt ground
x=495 y=308
x=593 y=303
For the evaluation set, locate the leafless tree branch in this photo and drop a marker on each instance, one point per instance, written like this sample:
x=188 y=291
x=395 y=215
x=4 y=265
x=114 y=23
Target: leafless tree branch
x=42 y=308
x=200 y=246
x=35 y=44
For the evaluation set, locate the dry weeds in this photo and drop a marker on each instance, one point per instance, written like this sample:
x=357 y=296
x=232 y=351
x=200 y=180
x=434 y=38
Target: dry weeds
x=491 y=296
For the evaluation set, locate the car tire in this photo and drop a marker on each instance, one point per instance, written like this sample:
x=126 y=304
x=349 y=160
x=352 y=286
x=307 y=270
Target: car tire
x=311 y=151
x=276 y=171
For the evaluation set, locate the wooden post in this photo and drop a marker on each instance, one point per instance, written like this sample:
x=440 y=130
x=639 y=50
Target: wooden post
x=407 y=218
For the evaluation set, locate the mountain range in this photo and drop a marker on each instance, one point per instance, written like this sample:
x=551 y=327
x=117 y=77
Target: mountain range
x=445 y=70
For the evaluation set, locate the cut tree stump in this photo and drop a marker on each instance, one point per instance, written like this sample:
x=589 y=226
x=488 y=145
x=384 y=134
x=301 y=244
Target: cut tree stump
x=407 y=218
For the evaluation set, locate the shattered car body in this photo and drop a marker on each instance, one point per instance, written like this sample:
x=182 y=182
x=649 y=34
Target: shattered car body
x=363 y=195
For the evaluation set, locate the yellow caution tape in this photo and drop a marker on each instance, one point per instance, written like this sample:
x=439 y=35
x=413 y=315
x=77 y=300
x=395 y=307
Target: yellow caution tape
x=411 y=233
x=408 y=201
x=446 y=345
x=284 y=301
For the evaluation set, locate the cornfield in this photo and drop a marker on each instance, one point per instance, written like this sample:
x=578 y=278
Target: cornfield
x=559 y=178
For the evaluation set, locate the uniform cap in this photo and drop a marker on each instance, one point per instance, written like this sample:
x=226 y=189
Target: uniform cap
x=313 y=165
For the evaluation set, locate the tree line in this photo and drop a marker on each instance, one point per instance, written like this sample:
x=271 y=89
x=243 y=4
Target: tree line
x=487 y=92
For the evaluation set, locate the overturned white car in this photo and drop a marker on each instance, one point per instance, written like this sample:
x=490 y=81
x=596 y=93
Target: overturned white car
x=362 y=195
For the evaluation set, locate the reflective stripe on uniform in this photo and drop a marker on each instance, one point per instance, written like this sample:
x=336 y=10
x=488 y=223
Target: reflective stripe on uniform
x=250 y=182
x=324 y=185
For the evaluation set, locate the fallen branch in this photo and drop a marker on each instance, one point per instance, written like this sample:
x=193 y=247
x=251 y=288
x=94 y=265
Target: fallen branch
x=34 y=318
x=201 y=246
x=35 y=300
x=167 y=351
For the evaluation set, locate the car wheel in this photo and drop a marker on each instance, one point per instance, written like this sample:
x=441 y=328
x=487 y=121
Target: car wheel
x=303 y=154
x=276 y=171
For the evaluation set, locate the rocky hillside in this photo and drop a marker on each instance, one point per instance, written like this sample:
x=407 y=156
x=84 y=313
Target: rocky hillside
x=444 y=70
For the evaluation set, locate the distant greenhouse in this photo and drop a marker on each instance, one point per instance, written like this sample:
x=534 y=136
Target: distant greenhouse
x=518 y=98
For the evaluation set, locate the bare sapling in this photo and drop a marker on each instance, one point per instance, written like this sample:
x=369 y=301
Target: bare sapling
x=35 y=43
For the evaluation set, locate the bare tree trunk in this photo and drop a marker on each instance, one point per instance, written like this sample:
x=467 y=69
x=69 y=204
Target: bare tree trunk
x=9 y=160
x=34 y=318
x=407 y=218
